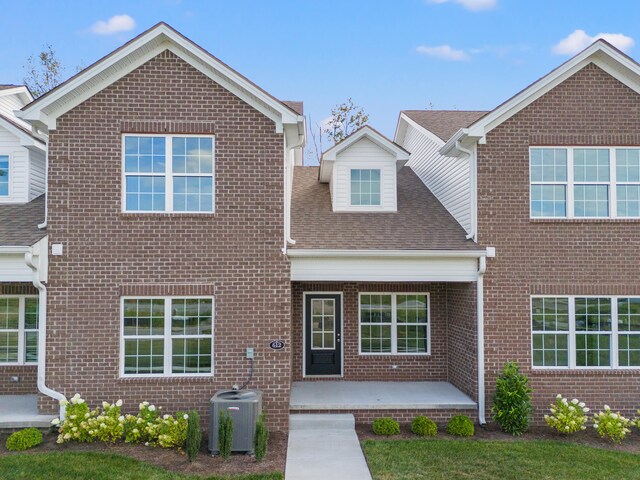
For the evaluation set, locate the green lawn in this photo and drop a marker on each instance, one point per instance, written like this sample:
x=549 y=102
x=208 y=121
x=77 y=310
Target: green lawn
x=458 y=459
x=94 y=466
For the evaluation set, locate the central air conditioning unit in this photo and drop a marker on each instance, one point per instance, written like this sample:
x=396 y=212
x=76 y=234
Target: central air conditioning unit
x=244 y=407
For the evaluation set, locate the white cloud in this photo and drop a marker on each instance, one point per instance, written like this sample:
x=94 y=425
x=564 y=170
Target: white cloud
x=444 y=52
x=473 y=5
x=579 y=40
x=116 y=24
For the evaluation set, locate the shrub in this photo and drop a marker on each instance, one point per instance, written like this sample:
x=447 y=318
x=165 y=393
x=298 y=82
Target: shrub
x=611 y=425
x=225 y=434
x=460 y=426
x=24 y=439
x=108 y=425
x=194 y=435
x=636 y=421
x=512 y=401
x=424 y=427
x=261 y=438
x=386 y=426
x=567 y=417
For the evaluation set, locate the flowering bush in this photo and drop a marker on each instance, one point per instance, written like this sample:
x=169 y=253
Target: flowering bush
x=109 y=425
x=567 y=417
x=636 y=421
x=611 y=425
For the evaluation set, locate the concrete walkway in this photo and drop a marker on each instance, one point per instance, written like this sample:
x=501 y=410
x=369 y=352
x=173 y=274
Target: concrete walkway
x=20 y=411
x=324 y=446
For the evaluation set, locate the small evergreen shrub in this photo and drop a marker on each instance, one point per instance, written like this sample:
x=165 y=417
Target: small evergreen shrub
x=24 y=439
x=194 y=435
x=460 y=426
x=424 y=427
x=512 y=401
x=225 y=434
x=611 y=425
x=261 y=438
x=386 y=426
x=567 y=417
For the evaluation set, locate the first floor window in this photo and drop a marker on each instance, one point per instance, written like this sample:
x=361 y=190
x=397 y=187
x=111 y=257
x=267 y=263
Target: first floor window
x=394 y=323
x=585 y=332
x=4 y=175
x=167 y=336
x=19 y=329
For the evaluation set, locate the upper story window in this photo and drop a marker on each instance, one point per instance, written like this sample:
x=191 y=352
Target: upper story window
x=4 y=175
x=578 y=182
x=365 y=187
x=168 y=173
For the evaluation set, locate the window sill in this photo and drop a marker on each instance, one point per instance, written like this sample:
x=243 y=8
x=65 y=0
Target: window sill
x=17 y=364
x=584 y=220
x=561 y=371
x=168 y=379
x=147 y=215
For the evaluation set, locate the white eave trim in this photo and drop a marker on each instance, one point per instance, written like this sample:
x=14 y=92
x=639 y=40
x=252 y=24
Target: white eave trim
x=600 y=53
x=25 y=139
x=14 y=249
x=401 y=129
x=318 y=253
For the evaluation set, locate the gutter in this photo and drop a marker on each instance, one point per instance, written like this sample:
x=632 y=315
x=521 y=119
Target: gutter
x=289 y=165
x=482 y=268
x=299 y=252
x=42 y=333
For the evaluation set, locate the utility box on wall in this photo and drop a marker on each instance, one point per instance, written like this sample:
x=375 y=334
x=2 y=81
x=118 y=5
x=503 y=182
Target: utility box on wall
x=244 y=407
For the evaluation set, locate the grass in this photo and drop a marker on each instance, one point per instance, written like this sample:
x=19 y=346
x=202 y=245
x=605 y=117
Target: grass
x=95 y=466
x=539 y=459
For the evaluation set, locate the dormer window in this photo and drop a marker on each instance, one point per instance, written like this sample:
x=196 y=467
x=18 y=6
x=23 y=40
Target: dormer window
x=361 y=171
x=4 y=175
x=365 y=187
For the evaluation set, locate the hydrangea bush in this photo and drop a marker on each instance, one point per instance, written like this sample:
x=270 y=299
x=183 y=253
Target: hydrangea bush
x=108 y=425
x=611 y=425
x=567 y=416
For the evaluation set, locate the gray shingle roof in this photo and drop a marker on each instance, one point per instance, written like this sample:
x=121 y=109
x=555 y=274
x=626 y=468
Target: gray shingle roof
x=421 y=222
x=19 y=223
x=6 y=87
x=294 y=105
x=444 y=123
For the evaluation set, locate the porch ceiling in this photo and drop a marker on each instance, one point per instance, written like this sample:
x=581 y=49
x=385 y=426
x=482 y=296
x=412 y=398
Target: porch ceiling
x=341 y=395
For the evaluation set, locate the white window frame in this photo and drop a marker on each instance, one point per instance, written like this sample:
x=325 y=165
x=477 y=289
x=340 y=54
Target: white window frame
x=9 y=194
x=394 y=325
x=366 y=207
x=571 y=344
x=168 y=175
x=21 y=331
x=167 y=337
x=570 y=183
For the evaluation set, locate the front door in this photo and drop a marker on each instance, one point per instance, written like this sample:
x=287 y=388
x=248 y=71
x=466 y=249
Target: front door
x=323 y=332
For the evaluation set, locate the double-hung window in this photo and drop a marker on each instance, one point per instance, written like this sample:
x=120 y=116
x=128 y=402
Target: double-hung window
x=4 y=175
x=18 y=330
x=394 y=323
x=581 y=182
x=168 y=173
x=365 y=187
x=167 y=336
x=585 y=332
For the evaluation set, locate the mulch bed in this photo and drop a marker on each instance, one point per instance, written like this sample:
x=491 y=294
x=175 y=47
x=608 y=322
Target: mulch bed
x=171 y=459
x=588 y=437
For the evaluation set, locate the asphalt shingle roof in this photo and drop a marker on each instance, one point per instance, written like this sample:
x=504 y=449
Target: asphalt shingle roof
x=19 y=223
x=421 y=222
x=444 y=123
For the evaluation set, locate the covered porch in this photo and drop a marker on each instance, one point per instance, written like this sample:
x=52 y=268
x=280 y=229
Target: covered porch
x=349 y=396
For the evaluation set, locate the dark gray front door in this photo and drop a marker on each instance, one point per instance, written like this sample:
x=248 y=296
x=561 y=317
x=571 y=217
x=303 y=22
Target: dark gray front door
x=323 y=334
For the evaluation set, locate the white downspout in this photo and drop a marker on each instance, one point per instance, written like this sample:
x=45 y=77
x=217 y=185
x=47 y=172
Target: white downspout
x=42 y=333
x=482 y=267
x=469 y=153
x=43 y=225
x=289 y=165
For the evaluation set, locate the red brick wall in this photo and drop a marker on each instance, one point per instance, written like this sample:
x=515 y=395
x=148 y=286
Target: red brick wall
x=377 y=367
x=462 y=338
x=234 y=254
x=557 y=256
x=27 y=374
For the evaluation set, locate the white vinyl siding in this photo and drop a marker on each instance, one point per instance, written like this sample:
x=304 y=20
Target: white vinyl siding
x=448 y=178
x=364 y=155
x=18 y=168
x=37 y=174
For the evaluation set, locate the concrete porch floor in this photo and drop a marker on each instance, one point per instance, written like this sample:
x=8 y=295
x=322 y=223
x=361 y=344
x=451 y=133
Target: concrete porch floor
x=20 y=411
x=343 y=395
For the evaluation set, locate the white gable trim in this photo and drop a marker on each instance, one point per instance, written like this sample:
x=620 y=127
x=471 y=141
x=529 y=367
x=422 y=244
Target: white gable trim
x=600 y=53
x=401 y=130
x=25 y=139
x=137 y=52
x=329 y=157
x=21 y=91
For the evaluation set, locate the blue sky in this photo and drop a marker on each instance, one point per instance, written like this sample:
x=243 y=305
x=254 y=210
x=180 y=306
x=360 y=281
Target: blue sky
x=386 y=55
